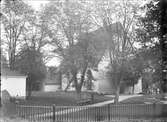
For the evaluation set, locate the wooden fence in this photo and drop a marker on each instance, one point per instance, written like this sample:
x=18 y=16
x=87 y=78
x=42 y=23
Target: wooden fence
x=91 y=113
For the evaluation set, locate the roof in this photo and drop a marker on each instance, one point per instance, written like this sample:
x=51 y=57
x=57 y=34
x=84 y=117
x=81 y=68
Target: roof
x=100 y=37
x=8 y=72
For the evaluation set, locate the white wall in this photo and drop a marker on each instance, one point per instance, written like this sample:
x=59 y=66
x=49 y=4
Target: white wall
x=49 y=88
x=102 y=85
x=138 y=86
x=16 y=86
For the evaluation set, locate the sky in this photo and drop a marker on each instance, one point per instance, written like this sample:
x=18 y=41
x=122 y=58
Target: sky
x=36 y=3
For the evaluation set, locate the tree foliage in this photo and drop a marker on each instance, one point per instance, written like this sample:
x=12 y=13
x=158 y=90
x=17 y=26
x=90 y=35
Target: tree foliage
x=76 y=54
x=120 y=44
x=14 y=16
x=29 y=61
x=25 y=35
x=149 y=36
x=81 y=33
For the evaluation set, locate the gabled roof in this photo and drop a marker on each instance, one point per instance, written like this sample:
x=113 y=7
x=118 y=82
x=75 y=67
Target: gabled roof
x=7 y=72
x=101 y=37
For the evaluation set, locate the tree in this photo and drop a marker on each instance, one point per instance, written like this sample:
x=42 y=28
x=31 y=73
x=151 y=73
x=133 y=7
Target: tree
x=29 y=61
x=14 y=16
x=151 y=37
x=71 y=20
x=163 y=28
x=78 y=59
x=36 y=33
x=120 y=37
x=26 y=34
x=132 y=71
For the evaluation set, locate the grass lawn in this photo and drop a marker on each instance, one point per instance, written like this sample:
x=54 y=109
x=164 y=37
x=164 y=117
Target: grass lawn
x=70 y=99
x=60 y=99
x=48 y=99
x=8 y=110
x=145 y=99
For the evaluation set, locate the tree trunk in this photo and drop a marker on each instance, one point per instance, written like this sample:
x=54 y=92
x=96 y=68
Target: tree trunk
x=29 y=85
x=82 y=78
x=116 y=99
x=60 y=80
x=133 y=88
x=76 y=82
x=29 y=94
x=68 y=85
x=81 y=83
x=89 y=84
x=29 y=90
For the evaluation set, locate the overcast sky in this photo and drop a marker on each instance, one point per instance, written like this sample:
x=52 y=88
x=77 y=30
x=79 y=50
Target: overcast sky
x=36 y=3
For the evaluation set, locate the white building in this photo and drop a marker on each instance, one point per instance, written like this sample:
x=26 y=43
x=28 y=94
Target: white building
x=51 y=85
x=13 y=82
x=103 y=85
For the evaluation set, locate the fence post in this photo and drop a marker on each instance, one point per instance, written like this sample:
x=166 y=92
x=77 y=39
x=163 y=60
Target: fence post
x=154 y=109
x=108 y=108
x=54 y=117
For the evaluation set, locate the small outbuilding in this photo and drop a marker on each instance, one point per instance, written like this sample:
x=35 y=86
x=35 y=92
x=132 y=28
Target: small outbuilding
x=13 y=82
